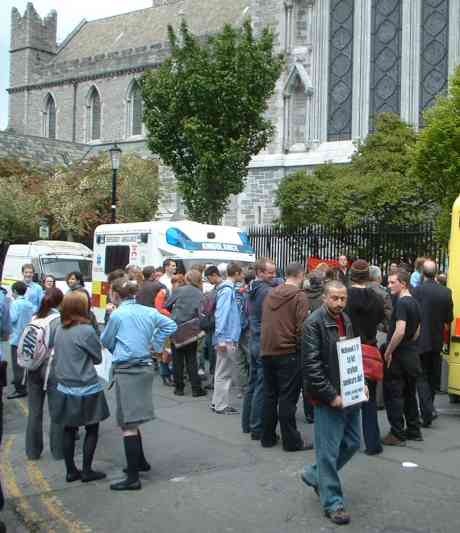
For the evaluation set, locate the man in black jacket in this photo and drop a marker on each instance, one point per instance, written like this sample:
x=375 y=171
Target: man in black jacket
x=437 y=313
x=337 y=429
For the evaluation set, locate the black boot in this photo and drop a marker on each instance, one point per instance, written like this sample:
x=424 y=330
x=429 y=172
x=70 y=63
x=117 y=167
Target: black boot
x=133 y=454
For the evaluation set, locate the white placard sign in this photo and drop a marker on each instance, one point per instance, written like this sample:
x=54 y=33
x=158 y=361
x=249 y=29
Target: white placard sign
x=351 y=371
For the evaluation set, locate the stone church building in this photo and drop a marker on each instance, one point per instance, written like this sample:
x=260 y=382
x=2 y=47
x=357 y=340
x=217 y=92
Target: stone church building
x=346 y=61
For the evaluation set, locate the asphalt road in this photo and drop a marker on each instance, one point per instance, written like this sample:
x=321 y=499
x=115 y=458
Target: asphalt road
x=208 y=477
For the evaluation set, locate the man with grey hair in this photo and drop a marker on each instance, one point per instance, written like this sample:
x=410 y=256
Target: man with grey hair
x=375 y=276
x=437 y=313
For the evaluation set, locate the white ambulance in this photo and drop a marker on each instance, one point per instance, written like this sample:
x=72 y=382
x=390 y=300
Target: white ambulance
x=150 y=243
x=56 y=258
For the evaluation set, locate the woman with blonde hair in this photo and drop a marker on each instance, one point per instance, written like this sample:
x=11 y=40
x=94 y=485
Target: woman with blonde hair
x=79 y=398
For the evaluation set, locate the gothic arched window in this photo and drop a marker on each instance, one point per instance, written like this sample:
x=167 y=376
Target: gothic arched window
x=94 y=115
x=136 y=110
x=49 y=123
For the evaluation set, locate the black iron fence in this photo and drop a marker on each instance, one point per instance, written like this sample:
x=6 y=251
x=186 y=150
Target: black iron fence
x=378 y=244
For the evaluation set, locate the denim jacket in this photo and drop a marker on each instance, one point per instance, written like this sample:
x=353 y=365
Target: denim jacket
x=34 y=295
x=21 y=313
x=227 y=315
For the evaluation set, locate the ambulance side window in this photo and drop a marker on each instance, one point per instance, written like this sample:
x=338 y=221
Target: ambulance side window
x=116 y=257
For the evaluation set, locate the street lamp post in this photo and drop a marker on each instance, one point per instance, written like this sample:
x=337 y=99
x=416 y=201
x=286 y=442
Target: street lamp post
x=115 y=155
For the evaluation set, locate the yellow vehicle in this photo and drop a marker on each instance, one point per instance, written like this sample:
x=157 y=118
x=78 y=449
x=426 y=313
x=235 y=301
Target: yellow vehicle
x=454 y=285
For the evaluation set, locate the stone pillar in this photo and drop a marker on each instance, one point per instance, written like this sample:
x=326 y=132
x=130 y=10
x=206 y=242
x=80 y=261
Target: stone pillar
x=454 y=35
x=317 y=132
x=361 y=68
x=410 y=61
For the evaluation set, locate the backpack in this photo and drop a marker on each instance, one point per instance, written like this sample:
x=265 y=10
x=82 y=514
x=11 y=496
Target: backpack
x=241 y=297
x=33 y=347
x=207 y=309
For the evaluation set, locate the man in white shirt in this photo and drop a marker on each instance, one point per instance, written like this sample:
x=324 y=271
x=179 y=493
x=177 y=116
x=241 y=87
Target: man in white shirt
x=169 y=266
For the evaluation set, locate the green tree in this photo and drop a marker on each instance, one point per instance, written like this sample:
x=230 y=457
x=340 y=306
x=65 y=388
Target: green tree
x=205 y=112
x=19 y=202
x=436 y=157
x=375 y=187
x=78 y=198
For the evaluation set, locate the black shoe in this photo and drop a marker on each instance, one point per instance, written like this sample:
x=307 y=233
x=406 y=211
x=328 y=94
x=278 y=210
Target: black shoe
x=339 y=516
x=73 y=476
x=427 y=423
x=167 y=382
x=199 y=393
x=373 y=452
x=125 y=484
x=209 y=386
x=310 y=419
x=270 y=444
x=92 y=475
x=16 y=394
x=305 y=446
x=145 y=467
x=416 y=437
x=2 y=527
x=179 y=392
x=255 y=436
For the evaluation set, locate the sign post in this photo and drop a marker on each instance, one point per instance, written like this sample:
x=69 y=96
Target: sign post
x=44 y=229
x=352 y=384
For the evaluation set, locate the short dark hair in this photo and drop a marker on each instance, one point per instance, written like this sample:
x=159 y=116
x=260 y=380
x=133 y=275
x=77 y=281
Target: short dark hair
x=233 y=269
x=148 y=271
x=116 y=274
x=27 y=265
x=19 y=287
x=167 y=262
x=403 y=276
x=212 y=270
x=78 y=276
x=294 y=269
x=125 y=287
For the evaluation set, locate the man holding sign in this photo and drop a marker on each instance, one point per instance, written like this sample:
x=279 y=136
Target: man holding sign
x=337 y=427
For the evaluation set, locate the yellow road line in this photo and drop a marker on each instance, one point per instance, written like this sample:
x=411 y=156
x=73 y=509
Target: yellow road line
x=30 y=518
x=54 y=506
x=23 y=407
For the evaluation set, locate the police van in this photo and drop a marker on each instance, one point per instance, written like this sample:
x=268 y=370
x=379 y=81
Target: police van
x=150 y=243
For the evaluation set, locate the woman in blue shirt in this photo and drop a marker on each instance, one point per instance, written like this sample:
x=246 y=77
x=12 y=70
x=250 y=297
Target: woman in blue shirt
x=132 y=331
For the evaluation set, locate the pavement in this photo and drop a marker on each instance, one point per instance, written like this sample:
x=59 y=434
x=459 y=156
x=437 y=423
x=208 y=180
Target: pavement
x=207 y=477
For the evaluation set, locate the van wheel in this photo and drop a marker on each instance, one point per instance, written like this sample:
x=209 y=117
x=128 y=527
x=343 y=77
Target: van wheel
x=453 y=398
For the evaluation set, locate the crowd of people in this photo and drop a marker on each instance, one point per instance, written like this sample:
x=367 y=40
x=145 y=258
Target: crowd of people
x=274 y=340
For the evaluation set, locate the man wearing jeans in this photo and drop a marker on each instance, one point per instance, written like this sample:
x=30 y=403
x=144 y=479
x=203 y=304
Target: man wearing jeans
x=225 y=340
x=337 y=429
x=251 y=418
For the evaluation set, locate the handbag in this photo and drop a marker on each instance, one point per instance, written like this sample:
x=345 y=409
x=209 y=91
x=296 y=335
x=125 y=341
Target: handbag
x=187 y=333
x=372 y=362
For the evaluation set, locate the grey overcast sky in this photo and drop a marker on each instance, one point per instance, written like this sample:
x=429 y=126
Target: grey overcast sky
x=70 y=13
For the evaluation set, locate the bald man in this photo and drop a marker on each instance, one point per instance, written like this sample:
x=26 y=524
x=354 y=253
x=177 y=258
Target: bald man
x=437 y=313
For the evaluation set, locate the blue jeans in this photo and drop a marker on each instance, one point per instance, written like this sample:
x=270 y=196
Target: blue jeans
x=251 y=415
x=337 y=439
